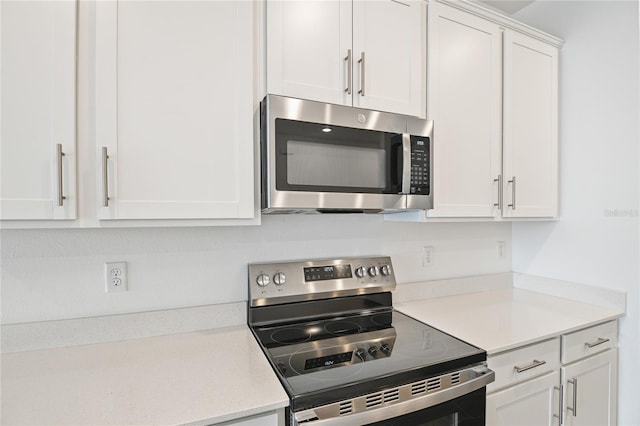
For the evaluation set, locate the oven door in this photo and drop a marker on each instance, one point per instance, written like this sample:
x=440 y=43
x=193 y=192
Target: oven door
x=461 y=403
x=467 y=410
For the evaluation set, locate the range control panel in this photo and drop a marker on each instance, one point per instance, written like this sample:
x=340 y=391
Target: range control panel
x=275 y=283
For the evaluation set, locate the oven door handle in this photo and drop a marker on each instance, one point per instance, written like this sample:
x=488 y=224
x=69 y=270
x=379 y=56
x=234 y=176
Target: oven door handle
x=406 y=163
x=484 y=376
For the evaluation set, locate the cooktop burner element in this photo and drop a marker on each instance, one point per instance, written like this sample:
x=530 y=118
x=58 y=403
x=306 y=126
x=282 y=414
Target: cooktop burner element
x=291 y=335
x=331 y=334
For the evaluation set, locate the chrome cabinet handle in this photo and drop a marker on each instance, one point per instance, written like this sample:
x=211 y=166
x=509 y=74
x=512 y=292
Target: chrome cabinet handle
x=574 y=410
x=596 y=343
x=361 y=62
x=560 y=404
x=105 y=178
x=59 y=156
x=499 y=203
x=349 y=71
x=513 y=193
x=534 y=364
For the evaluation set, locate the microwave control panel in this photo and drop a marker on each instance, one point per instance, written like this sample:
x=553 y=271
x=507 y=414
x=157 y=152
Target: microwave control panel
x=419 y=165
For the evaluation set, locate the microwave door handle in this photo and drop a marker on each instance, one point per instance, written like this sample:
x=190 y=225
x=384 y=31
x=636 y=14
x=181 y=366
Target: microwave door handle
x=406 y=163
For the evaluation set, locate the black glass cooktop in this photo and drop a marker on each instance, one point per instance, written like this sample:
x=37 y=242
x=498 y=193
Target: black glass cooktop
x=324 y=361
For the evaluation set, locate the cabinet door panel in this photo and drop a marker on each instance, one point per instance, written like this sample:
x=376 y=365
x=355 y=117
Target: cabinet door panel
x=592 y=385
x=178 y=111
x=532 y=403
x=465 y=100
x=307 y=43
x=530 y=126
x=38 y=109
x=392 y=36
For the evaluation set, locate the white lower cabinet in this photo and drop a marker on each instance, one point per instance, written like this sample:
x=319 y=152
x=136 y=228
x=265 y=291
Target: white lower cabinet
x=571 y=380
x=534 y=402
x=590 y=377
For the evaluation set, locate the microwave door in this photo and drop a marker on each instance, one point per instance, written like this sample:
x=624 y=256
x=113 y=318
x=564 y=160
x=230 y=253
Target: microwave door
x=325 y=168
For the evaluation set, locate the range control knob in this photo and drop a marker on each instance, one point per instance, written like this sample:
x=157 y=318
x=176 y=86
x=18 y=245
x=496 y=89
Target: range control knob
x=373 y=351
x=279 y=278
x=360 y=272
x=385 y=270
x=263 y=280
x=385 y=348
x=373 y=271
x=360 y=353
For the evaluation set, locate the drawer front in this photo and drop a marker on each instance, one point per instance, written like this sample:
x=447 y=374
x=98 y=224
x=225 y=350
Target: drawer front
x=524 y=363
x=589 y=341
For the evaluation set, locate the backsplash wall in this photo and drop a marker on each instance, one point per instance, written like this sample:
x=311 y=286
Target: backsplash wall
x=55 y=274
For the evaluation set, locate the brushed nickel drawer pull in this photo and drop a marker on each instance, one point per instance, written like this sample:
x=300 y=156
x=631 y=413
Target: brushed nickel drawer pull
x=596 y=343
x=361 y=62
x=59 y=156
x=534 y=364
x=499 y=203
x=349 y=71
x=105 y=178
x=513 y=193
x=574 y=410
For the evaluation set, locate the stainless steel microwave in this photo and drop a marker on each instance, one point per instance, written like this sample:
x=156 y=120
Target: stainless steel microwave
x=323 y=158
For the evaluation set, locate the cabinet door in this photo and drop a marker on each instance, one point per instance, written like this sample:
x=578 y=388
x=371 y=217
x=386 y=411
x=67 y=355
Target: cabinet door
x=307 y=47
x=590 y=390
x=465 y=101
x=532 y=403
x=38 y=110
x=530 y=127
x=174 y=109
x=389 y=45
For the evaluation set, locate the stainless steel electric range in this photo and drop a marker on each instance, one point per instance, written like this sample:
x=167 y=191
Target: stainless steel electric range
x=346 y=357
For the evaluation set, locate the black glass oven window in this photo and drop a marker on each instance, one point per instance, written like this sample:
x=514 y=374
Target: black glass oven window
x=323 y=158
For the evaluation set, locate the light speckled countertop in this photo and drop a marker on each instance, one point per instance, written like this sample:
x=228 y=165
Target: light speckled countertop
x=200 y=377
x=504 y=319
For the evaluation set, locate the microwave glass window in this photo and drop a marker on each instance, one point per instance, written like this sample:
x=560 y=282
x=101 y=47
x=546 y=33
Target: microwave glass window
x=320 y=158
x=329 y=165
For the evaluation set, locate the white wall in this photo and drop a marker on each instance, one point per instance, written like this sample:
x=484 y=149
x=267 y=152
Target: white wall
x=58 y=273
x=596 y=240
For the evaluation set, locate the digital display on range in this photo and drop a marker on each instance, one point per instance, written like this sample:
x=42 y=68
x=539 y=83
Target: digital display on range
x=322 y=273
x=328 y=361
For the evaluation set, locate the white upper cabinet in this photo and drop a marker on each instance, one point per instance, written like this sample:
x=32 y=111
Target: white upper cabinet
x=530 y=127
x=174 y=110
x=307 y=43
x=38 y=121
x=369 y=54
x=464 y=89
x=389 y=45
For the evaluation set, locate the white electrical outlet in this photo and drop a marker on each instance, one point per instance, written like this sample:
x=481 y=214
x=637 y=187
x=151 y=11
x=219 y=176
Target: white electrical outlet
x=427 y=255
x=115 y=277
x=500 y=249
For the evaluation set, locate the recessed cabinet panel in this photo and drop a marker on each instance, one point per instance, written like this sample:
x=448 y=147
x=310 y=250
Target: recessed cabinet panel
x=590 y=390
x=530 y=127
x=179 y=106
x=388 y=48
x=532 y=403
x=308 y=44
x=369 y=54
x=464 y=100
x=38 y=110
